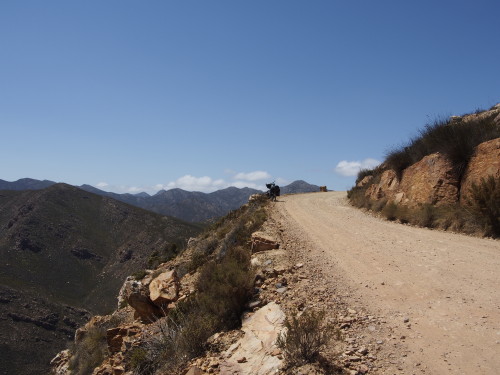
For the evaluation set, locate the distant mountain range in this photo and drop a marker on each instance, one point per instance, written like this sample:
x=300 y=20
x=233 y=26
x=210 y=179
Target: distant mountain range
x=66 y=251
x=25 y=184
x=185 y=205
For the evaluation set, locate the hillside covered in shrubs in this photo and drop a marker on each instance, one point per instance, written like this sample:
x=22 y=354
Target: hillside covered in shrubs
x=448 y=177
x=165 y=315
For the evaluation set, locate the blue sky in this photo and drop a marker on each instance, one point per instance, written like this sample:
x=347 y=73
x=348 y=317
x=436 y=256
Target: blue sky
x=144 y=95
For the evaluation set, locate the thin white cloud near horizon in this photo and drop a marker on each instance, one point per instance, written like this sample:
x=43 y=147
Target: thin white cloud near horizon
x=252 y=176
x=351 y=168
x=205 y=184
x=192 y=183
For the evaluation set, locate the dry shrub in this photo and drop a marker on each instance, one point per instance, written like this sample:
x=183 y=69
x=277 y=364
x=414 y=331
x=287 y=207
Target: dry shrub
x=390 y=211
x=89 y=352
x=304 y=337
x=142 y=361
x=378 y=205
x=180 y=337
x=485 y=202
x=456 y=218
x=357 y=197
x=225 y=287
x=423 y=216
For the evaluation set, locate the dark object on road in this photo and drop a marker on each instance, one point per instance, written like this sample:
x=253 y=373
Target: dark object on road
x=273 y=192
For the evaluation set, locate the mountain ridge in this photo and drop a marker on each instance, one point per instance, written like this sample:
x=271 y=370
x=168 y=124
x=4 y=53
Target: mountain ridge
x=191 y=206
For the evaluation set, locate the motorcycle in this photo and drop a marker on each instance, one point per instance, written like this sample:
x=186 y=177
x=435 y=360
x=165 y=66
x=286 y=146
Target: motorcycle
x=273 y=192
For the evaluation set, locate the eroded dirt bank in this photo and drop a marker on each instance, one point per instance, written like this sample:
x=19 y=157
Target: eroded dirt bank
x=438 y=293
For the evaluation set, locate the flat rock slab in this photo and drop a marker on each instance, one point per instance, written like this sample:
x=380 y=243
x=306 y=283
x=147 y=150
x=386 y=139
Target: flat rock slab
x=261 y=330
x=263 y=241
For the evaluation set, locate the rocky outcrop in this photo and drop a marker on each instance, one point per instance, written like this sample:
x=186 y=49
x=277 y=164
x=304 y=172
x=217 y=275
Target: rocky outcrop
x=430 y=181
x=484 y=163
x=119 y=338
x=364 y=181
x=164 y=288
x=255 y=352
x=60 y=363
x=494 y=113
x=386 y=188
x=433 y=179
x=137 y=296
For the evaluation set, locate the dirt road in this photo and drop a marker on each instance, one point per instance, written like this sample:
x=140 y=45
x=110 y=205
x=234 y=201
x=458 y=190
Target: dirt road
x=440 y=292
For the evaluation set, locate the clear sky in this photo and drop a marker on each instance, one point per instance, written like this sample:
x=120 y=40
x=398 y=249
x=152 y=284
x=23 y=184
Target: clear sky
x=143 y=95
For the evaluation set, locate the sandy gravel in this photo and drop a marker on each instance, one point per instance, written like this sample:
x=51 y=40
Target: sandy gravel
x=438 y=292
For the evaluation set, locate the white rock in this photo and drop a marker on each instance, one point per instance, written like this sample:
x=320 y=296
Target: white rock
x=261 y=331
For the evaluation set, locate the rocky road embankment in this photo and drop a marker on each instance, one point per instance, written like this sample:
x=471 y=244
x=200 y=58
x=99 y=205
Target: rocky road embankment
x=418 y=301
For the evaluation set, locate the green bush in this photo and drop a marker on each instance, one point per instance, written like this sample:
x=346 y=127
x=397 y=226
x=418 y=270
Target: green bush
x=304 y=338
x=157 y=257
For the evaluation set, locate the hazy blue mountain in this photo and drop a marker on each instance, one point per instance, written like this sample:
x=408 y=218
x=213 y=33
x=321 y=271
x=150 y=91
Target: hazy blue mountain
x=25 y=184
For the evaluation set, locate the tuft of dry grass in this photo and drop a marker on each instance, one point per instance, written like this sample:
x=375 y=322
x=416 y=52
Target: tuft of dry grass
x=90 y=352
x=304 y=337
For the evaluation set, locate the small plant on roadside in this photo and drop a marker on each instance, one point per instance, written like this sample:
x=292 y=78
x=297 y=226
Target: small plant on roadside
x=304 y=337
x=485 y=202
x=425 y=216
x=390 y=211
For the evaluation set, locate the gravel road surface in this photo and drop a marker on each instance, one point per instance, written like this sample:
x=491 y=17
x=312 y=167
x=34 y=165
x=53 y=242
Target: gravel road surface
x=439 y=291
